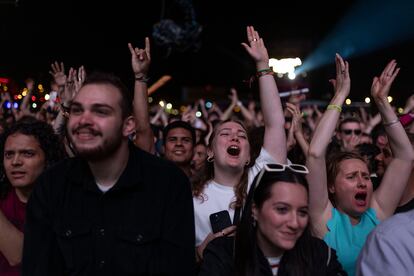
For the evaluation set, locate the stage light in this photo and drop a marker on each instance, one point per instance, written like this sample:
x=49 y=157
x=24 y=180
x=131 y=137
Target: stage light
x=367 y=100
x=285 y=66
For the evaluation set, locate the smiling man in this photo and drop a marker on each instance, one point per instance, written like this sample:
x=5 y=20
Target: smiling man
x=109 y=211
x=179 y=141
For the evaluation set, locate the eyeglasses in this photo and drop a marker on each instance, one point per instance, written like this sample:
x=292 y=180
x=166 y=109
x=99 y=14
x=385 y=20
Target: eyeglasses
x=276 y=167
x=349 y=131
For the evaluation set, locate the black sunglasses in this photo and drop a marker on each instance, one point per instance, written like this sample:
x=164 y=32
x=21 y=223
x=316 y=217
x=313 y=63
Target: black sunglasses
x=349 y=131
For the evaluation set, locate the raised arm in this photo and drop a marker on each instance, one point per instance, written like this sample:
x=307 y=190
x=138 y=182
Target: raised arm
x=140 y=61
x=386 y=197
x=273 y=117
x=320 y=208
x=297 y=127
x=229 y=110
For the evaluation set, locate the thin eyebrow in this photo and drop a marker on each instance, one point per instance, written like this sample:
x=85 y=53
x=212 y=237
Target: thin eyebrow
x=289 y=205
x=229 y=129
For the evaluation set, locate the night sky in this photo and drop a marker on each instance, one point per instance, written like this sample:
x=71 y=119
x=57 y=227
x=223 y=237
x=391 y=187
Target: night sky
x=96 y=33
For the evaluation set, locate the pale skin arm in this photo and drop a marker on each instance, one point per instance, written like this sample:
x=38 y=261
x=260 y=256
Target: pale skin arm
x=297 y=127
x=386 y=198
x=11 y=241
x=140 y=61
x=274 y=119
x=58 y=73
x=320 y=208
x=247 y=115
x=229 y=110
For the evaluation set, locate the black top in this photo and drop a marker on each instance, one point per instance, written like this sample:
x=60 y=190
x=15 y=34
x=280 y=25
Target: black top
x=219 y=261
x=406 y=207
x=144 y=225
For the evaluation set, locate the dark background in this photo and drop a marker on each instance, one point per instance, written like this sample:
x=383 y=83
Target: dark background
x=96 y=33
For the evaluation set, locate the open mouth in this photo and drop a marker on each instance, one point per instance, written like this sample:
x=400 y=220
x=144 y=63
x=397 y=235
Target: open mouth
x=361 y=198
x=233 y=150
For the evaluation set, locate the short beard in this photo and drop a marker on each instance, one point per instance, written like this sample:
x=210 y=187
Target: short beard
x=108 y=148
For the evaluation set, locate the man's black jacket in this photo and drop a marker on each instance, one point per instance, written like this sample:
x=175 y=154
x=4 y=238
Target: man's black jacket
x=144 y=225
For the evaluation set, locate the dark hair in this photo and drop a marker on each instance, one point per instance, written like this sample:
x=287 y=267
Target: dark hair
x=369 y=151
x=49 y=142
x=378 y=131
x=348 y=120
x=297 y=260
x=199 y=183
x=178 y=124
x=110 y=79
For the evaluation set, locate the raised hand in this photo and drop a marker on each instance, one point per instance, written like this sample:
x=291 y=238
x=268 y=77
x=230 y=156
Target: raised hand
x=342 y=83
x=140 y=59
x=381 y=85
x=256 y=48
x=58 y=73
x=233 y=96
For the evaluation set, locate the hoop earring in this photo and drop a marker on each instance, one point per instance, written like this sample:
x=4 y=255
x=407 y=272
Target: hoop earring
x=210 y=159
x=247 y=163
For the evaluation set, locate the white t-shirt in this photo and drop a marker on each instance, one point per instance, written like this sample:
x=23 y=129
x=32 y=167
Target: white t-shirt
x=218 y=197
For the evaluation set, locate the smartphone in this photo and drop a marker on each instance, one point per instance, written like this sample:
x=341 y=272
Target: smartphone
x=220 y=221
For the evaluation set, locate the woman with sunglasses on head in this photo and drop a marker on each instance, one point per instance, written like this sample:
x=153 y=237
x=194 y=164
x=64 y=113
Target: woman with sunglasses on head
x=273 y=237
x=229 y=170
x=342 y=205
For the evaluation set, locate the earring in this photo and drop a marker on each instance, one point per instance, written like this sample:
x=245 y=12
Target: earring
x=210 y=159
x=247 y=163
x=253 y=222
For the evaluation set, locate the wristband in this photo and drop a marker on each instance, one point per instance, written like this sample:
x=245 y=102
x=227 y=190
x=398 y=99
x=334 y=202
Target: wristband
x=393 y=122
x=142 y=78
x=334 y=107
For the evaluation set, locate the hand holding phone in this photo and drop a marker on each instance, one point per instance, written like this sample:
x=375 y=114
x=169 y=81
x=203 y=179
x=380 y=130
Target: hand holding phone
x=220 y=221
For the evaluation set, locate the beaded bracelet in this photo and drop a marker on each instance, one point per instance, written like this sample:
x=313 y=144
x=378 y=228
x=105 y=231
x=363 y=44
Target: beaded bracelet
x=334 y=107
x=264 y=72
x=142 y=78
x=393 y=122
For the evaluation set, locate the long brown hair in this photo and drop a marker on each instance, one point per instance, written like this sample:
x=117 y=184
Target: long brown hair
x=199 y=181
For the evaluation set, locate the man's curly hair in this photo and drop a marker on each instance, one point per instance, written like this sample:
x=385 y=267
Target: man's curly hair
x=49 y=142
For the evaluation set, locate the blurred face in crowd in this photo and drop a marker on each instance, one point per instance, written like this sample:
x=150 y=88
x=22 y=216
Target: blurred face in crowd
x=383 y=159
x=282 y=218
x=200 y=156
x=230 y=146
x=350 y=135
x=179 y=146
x=23 y=160
x=352 y=188
x=95 y=125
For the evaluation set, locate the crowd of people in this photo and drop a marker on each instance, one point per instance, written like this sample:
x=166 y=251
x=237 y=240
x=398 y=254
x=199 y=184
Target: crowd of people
x=98 y=182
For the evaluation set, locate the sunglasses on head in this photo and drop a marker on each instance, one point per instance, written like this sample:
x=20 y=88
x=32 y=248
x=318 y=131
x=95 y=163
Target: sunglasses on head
x=349 y=131
x=276 y=167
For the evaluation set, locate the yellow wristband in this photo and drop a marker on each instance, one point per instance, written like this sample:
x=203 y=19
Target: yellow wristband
x=334 y=107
